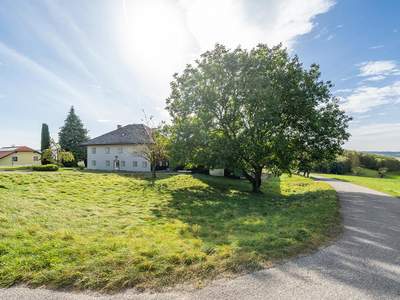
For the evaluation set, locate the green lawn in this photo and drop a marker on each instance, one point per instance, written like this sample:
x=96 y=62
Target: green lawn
x=390 y=184
x=113 y=231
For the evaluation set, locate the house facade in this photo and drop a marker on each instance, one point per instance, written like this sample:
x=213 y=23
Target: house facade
x=120 y=150
x=19 y=156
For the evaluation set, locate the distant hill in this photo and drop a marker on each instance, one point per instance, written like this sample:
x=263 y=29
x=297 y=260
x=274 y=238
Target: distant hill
x=386 y=153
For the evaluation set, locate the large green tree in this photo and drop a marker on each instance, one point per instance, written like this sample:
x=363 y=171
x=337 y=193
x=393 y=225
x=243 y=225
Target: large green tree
x=72 y=134
x=253 y=110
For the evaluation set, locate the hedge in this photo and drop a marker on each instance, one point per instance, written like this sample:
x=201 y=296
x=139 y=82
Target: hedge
x=50 y=168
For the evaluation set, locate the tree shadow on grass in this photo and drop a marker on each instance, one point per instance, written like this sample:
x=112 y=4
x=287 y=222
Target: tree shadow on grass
x=257 y=227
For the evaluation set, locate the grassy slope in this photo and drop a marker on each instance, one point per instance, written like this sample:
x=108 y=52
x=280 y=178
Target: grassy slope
x=108 y=231
x=390 y=184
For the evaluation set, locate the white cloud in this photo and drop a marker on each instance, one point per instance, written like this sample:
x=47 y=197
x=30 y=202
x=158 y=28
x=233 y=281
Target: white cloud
x=378 y=70
x=342 y=91
x=159 y=37
x=366 y=98
x=124 y=64
x=376 y=47
x=375 y=78
x=322 y=32
x=331 y=36
x=382 y=136
x=34 y=67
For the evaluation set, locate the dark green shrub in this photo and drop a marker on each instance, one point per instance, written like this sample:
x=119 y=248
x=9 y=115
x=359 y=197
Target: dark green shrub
x=392 y=164
x=50 y=168
x=369 y=161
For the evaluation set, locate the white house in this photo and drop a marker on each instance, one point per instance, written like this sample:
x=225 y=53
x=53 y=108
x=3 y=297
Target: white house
x=121 y=149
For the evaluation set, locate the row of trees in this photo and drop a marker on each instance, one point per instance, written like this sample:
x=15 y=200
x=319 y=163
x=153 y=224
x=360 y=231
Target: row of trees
x=254 y=110
x=67 y=151
x=353 y=161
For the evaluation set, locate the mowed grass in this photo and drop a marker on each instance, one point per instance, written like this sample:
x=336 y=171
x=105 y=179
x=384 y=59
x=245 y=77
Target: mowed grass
x=108 y=232
x=390 y=184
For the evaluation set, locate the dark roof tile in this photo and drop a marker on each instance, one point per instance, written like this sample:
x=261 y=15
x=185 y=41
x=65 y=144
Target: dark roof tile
x=129 y=134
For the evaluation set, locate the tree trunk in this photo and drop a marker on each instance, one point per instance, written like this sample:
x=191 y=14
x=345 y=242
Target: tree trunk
x=153 y=171
x=255 y=180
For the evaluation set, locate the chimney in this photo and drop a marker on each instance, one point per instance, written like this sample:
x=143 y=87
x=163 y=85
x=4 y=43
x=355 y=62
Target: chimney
x=119 y=126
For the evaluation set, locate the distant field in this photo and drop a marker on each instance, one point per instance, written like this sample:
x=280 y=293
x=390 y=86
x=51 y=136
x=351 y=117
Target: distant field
x=390 y=184
x=113 y=231
x=386 y=153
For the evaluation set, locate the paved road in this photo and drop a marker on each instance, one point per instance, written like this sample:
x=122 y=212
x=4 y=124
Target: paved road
x=363 y=264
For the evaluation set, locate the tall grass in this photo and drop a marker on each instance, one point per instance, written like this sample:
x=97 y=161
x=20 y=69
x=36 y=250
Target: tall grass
x=109 y=232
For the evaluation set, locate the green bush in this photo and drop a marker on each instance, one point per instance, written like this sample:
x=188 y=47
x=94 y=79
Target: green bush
x=50 y=168
x=16 y=168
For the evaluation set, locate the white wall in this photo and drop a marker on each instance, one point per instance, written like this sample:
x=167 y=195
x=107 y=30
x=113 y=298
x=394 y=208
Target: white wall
x=217 y=172
x=130 y=153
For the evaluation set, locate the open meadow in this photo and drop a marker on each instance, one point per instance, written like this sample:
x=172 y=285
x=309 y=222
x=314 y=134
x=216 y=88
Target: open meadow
x=108 y=231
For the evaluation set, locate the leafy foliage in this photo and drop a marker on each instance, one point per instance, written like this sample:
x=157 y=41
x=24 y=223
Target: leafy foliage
x=72 y=134
x=56 y=155
x=156 y=151
x=351 y=161
x=253 y=110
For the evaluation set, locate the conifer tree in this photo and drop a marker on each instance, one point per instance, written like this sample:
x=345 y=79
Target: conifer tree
x=72 y=134
x=45 y=140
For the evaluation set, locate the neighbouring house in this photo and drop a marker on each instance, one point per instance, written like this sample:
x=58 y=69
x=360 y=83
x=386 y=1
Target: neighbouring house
x=19 y=156
x=120 y=150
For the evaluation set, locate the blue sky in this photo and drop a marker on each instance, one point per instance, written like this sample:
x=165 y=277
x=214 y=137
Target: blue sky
x=114 y=59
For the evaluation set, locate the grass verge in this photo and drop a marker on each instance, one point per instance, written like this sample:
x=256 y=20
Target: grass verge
x=108 y=232
x=390 y=184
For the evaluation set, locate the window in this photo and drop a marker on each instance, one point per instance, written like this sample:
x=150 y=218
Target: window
x=14 y=158
x=134 y=164
x=122 y=164
x=35 y=158
x=108 y=163
x=144 y=164
x=93 y=150
x=107 y=150
x=93 y=163
x=119 y=149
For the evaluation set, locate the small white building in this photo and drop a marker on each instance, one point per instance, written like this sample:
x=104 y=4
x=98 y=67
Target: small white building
x=120 y=150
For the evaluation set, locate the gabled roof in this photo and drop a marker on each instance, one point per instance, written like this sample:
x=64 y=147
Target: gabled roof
x=6 y=151
x=129 y=134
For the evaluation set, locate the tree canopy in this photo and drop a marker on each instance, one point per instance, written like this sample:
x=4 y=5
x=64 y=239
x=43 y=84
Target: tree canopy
x=72 y=134
x=157 y=150
x=54 y=154
x=253 y=109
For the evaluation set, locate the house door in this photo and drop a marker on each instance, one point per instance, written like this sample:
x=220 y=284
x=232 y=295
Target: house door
x=116 y=163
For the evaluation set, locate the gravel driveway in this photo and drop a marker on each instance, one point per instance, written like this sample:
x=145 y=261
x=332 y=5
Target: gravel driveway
x=363 y=264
